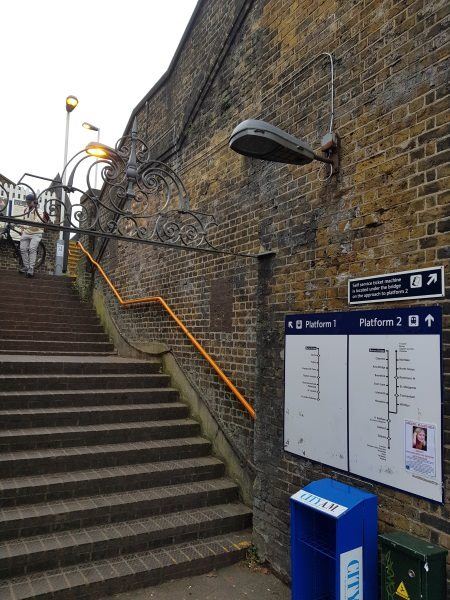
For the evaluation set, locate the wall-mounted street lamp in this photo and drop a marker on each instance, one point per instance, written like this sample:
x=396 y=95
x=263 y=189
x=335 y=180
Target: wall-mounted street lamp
x=262 y=140
x=91 y=127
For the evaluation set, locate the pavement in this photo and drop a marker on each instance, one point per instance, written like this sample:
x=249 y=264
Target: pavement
x=238 y=582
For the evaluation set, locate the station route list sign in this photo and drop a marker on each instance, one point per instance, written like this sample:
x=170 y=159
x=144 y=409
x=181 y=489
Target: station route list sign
x=363 y=394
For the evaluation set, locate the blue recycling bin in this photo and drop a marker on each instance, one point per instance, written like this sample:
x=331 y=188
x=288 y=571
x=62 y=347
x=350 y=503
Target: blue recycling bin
x=333 y=543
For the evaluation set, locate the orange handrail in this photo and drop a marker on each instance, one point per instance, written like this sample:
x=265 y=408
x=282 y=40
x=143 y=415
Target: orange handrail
x=180 y=324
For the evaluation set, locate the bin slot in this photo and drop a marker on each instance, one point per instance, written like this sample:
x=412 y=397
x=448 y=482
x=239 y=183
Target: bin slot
x=322 y=574
x=320 y=545
x=317 y=531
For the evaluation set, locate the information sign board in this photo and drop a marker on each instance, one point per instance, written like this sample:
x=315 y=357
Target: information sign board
x=363 y=394
x=404 y=285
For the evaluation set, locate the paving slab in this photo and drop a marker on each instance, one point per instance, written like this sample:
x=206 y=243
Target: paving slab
x=238 y=582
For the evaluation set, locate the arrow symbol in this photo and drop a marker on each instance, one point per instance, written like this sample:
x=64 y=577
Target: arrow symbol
x=429 y=319
x=432 y=278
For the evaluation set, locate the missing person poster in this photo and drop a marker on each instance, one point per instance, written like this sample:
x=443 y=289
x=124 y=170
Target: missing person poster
x=420 y=449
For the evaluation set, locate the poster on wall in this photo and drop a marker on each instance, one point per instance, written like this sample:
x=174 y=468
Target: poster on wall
x=363 y=394
x=420 y=448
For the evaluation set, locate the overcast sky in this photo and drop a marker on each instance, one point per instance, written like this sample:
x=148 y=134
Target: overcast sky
x=108 y=53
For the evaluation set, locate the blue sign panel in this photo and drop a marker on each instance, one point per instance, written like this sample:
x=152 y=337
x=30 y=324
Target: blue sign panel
x=404 y=285
x=363 y=394
x=414 y=320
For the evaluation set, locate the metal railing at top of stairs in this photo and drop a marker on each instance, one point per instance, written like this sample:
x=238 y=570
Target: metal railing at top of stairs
x=181 y=325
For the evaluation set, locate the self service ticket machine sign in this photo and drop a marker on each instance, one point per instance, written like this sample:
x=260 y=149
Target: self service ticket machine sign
x=363 y=394
x=404 y=285
x=333 y=542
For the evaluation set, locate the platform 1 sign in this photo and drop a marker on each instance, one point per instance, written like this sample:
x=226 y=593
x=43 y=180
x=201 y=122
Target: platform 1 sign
x=363 y=394
x=404 y=285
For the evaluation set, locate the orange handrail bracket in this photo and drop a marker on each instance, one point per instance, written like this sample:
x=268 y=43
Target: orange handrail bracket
x=181 y=325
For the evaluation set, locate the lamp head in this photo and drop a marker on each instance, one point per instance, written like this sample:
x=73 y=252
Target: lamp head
x=262 y=140
x=90 y=127
x=71 y=103
x=99 y=150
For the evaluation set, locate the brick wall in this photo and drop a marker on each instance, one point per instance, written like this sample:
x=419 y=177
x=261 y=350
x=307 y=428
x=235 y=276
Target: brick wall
x=387 y=210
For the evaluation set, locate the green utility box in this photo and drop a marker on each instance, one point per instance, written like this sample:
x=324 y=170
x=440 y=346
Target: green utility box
x=411 y=569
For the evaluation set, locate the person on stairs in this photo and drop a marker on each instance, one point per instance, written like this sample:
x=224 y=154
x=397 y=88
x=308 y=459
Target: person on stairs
x=31 y=235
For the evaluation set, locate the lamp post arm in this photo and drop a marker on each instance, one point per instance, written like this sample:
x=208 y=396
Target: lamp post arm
x=328 y=161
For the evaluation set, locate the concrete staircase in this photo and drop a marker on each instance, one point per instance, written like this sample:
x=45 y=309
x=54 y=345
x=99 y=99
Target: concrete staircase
x=106 y=484
x=45 y=315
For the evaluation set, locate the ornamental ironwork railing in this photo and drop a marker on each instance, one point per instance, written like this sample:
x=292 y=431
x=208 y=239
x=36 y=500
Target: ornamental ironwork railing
x=141 y=200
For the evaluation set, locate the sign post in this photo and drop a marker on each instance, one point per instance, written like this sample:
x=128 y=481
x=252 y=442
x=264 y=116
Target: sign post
x=59 y=261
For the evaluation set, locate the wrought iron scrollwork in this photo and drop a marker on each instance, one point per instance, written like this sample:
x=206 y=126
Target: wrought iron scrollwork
x=140 y=200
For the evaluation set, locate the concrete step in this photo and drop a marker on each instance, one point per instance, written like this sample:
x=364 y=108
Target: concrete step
x=48 y=313
x=21 y=556
x=33 y=489
x=81 y=382
x=17 y=365
x=58 y=353
x=96 y=579
x=39 y=295
x=55 y=460
x=68 y=326
x=11 y=277
x=61 y=515
x=30 y=438
x=60 y=398
x=39 y=347
x=47 y=303
x=23 y=319
x=43 y=334
x=90 y=415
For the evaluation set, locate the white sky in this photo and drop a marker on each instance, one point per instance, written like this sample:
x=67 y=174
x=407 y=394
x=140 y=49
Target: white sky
x=108 y=53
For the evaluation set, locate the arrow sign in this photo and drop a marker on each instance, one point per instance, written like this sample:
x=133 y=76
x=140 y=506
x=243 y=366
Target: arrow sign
x=429 y=319
x=402 y=285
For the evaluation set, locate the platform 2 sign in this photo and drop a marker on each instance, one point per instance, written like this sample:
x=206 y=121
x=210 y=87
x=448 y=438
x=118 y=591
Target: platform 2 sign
x=363 y=394
x=405 y=285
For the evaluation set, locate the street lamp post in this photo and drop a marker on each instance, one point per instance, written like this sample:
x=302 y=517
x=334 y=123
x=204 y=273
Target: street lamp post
x=97 y=129
x=63 y=242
